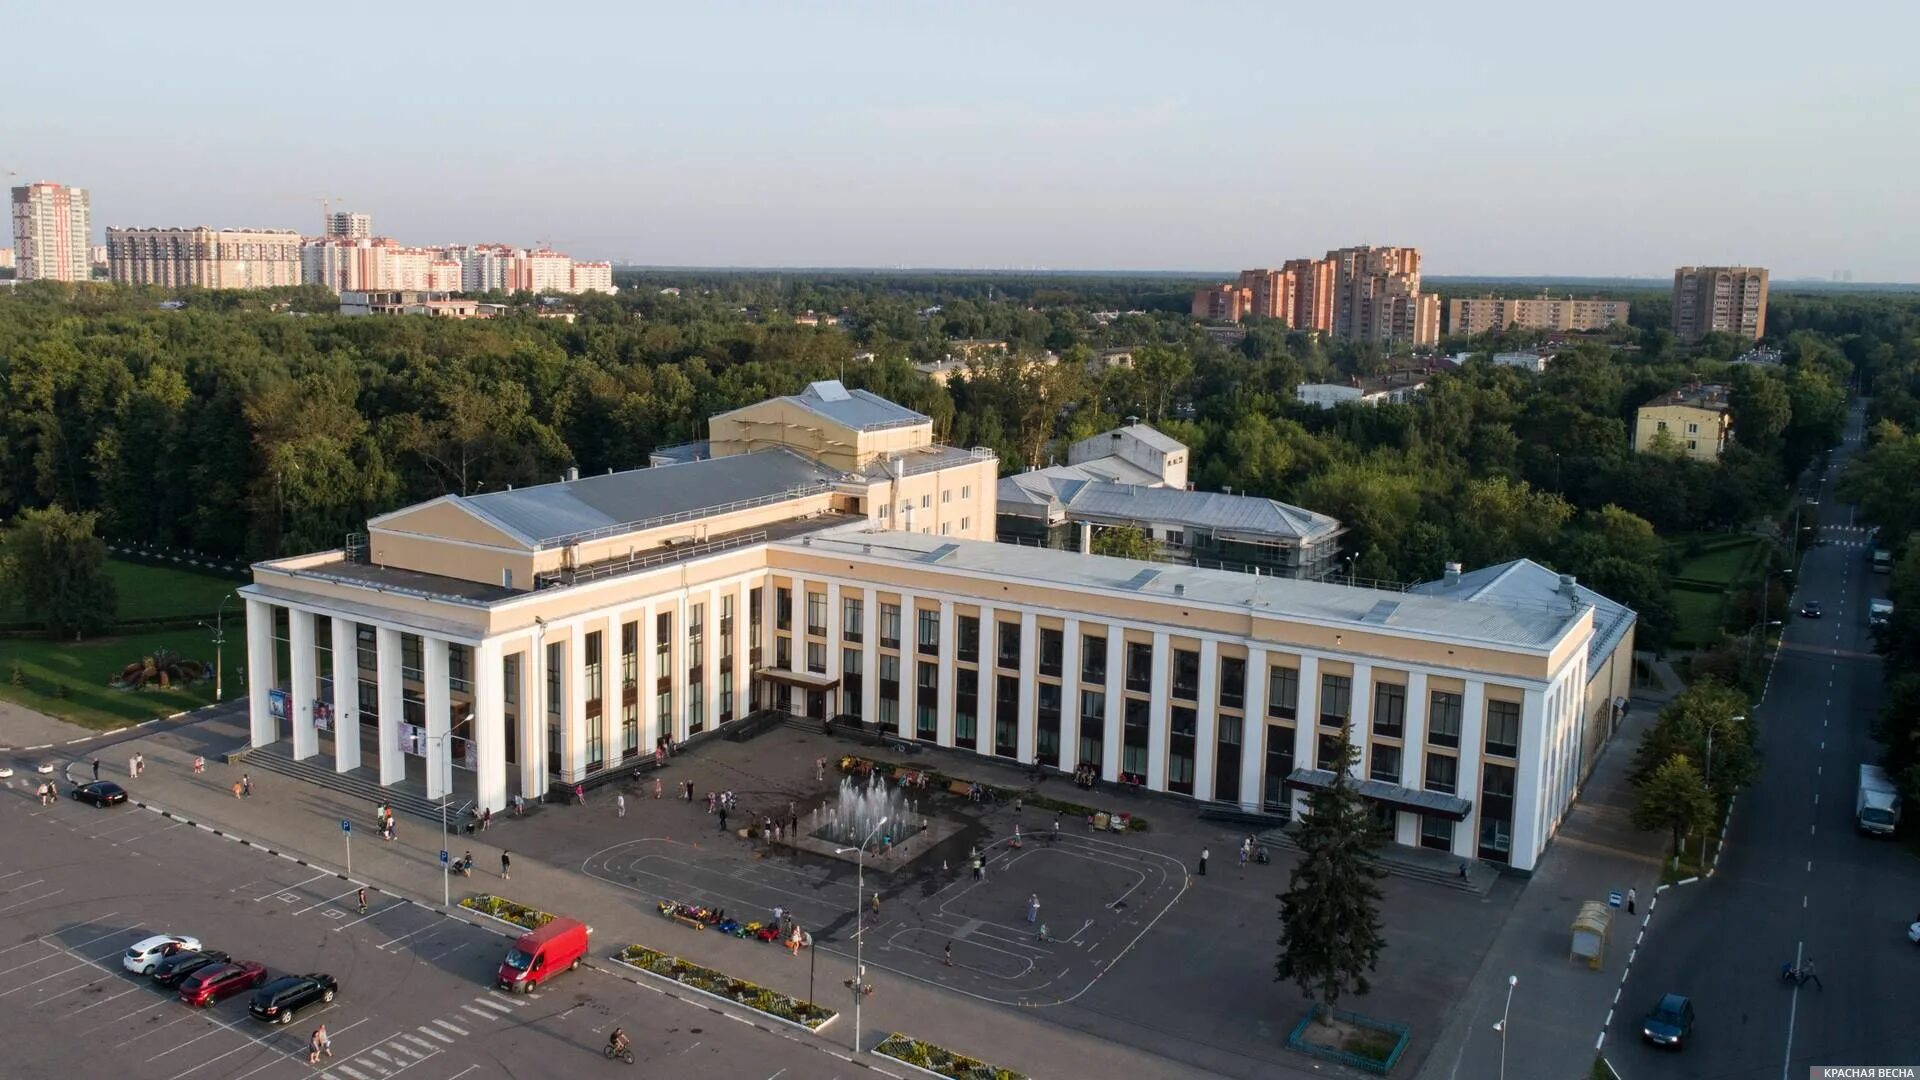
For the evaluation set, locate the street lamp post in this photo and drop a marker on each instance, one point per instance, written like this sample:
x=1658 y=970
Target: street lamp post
x=1711 y=728
x=219 y=639
x=1746 y=664
x=445 y=739
x=859 y=930
x=1501 y=1027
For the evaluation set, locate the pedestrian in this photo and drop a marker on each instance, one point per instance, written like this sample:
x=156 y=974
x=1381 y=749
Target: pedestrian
x=793 y=825
x=723 y=819
x=1243 y=856
x=199 y=765
x=1631 y=895
x=1016 y=806
x=876 y=903
x=1807 y=975
x=139 y=764
x=363 y=901
x=1043 y=937
x=1203 y=862
x=976 y=870
x=506 y=866
x=1056 y=828
x=246 y=789
x=133 y=767
x=793 y=942
x=580 y=794
x=1033 y=909
x=236 y=789
x=656 y=787
x=313 y=1048
x=325 y=1040
x=779 y=914
x=620 y=805
x=819 y=770
x=96 y=768
x=486 y=819
x=949 y=952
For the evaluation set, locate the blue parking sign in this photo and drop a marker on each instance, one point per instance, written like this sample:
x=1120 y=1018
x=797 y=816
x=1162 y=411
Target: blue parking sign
x=1613 y=898
x=346 y=826
x=443 y=854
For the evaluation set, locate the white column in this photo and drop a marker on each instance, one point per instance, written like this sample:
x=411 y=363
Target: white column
x=1029 y=677
x=833 y=629
x=573 y=729
x=433 y=662
x=1306 y=724
x=262 y=729
x=300 y=683
x=1157 y=715
x=948 y=643
x=612 y=695
x=870 y=647
x=1253 y=731
x=346 y=694
x=905 y=724
x=710 y=663
x=489 y=726
x=677 y=656
x=1112 y=741
x=1473 y=708
x=533 y=718
x=647 y=695
x=1413 y=752
x=1070 y=695
x=1527 y=787
x=1360 y=729
x=983 y=700
x=393 y=761
x=1205 y=739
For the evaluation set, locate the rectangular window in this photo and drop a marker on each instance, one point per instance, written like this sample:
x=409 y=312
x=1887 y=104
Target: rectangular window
x=1436 y=832
x=1093 y=659
x=1182 y=723
x=1496 y=812
x=966 y=491
x=629 y=654
x=817 y=614
x=1052 y=643
x=1385 y=765
x=1233 y=682
x=696 y=707
x=630 y=729
x=663 y=644
x=946 y=497
x=1503 y=728
x=1273 y=795
x=966 y=647
x=929 y=624
x=1047 y=721
x=817 y=657
x=1336 y=700
x=1283 y=693
x=889 y=692
x=1389 y=710
x=410 y=661
x=459 y=663
x=782 y=609
x=663 y=710
x=926 y=700
x=755 y=617
x=1133 y=746
x=850 y=660
x=1327 y=750
x=1443 y=773
x=1093 y=717
x=1139 y=667
x=1226 y=761
x=1186 y=674
x=1006 y=715
x=1443 y=718
x=696 y=640
x=726 y=696
x=596 y=745
x=926 y=502
x=966 y=707
x=590 y=658
x=852 y=620
x=889 y=626
x=368 y=646
x=965 y=523
x=556 y=672
x=1009 y=652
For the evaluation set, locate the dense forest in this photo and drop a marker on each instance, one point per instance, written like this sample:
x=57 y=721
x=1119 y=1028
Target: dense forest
x=252 y=424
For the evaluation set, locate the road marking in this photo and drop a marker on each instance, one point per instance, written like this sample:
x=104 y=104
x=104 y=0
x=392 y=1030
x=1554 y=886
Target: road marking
x=429 y=1031
x=103 y=1001
x=28 y=885
x=1793 y=1010
x=492 y=1004
x=281 y=890
x=350 y=892
x=481 y=1013
x=364 y=918
x=455 y=1028
x=383 y=1056
x=33 y=900
x=417 y=1039
x=404 y=937
x=349 y=1070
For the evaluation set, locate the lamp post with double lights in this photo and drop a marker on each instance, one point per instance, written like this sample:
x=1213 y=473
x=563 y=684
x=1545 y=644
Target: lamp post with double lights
x=219 y=639
x=1501 y=1027
x=859 y=929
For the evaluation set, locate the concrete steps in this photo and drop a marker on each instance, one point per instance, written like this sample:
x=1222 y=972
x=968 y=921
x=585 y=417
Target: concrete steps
x=362 y=784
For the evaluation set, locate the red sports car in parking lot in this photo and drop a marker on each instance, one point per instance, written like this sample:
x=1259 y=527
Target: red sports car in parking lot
x=218 y=981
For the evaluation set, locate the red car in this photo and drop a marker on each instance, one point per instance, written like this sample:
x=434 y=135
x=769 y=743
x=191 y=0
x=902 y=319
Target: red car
x=218 y=981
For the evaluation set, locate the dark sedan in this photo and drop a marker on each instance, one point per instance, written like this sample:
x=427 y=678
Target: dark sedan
x=1810 y=609
x=216 y=982
x=172 y=969
x=101 y=793
x=277 y=1001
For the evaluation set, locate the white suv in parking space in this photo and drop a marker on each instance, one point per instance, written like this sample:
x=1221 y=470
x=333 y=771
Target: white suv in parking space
x=143 y=955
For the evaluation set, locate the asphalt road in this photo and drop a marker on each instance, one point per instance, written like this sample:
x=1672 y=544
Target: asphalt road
x=1796 y=880
x=79 y=884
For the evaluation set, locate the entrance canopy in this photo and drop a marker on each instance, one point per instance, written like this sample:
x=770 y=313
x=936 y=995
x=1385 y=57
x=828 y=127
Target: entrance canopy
x=809 y=680
x=1400 y=798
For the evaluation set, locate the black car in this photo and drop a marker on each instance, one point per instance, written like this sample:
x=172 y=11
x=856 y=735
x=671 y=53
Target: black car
x=277 y=1001
x=101 y=793
x=171 y=969
x=1669 y=1023
x=1810 y=609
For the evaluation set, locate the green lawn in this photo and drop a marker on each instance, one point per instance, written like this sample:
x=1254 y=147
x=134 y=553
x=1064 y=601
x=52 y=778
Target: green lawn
x=1724 y=564
x=149 y=591
x=1699 y=616
x=85 y=668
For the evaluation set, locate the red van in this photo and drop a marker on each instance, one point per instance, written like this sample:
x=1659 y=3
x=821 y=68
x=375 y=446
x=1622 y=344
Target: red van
x=539 y=954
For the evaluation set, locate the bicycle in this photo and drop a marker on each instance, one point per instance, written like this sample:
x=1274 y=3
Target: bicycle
x=624 y=1053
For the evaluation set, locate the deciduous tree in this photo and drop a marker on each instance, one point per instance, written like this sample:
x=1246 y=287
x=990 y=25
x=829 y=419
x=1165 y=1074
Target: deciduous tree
x=57 y=567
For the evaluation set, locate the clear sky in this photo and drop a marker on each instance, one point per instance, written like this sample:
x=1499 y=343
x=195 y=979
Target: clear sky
x=1501 y=138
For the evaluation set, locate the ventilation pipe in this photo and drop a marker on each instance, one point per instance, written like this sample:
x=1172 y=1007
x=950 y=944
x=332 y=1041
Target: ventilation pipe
x=573 y=473
x=1086 y=537
x=1452 y=576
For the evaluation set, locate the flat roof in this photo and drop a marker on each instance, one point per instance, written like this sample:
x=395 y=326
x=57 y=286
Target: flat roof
x=1515 y=625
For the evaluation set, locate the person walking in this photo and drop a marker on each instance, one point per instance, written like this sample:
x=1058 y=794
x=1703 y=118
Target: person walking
x=133 y=768
x=1203 y=861
x=976 y=868
x=656 y=787
x=199 y=765
x=1631 y=895
x=313 y=1047
x=1243 y=855
x=96 y=768
x=1033 y=909
x=506 y=866
x=140 y=764
x=363 y=901
x=1016 y=806
x=620 y=805
x=949 y=954
x=1808 y=975
x=236 y=789
x=723 y=819
x=246 y=790
x=580 y=794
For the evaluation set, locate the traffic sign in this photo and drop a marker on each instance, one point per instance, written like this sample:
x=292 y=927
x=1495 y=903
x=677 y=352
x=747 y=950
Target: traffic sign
x=1613 y=898
x=346 y=826
x=443 y=854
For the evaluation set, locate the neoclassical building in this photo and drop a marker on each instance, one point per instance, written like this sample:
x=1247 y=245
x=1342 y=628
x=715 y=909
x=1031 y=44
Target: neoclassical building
x=823 y=556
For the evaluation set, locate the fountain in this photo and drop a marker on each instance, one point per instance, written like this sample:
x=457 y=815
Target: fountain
x=839 y=826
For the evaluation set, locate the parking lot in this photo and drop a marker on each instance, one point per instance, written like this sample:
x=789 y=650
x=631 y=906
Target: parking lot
x=80 y=884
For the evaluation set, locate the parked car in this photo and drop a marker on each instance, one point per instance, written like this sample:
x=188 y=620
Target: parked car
x=540 y=954
x=143 y=955
x=172 y=969
x=45 y=768
x=101 y=793
x=1810 y=609
x=6 y=772
x=1669 y=1023
x=279 y=1000
x=216 y=982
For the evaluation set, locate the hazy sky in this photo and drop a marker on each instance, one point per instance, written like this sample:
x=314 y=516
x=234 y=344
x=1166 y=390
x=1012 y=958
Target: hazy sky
x=1526 y=138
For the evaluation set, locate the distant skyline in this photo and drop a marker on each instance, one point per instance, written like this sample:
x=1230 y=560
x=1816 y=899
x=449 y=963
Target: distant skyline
x=1501 y=138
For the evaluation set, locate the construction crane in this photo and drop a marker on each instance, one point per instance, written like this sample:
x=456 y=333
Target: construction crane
x=326 y=213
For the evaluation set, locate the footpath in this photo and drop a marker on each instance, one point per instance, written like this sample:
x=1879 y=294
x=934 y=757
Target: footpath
x=1558 y=1005
x=299 y=819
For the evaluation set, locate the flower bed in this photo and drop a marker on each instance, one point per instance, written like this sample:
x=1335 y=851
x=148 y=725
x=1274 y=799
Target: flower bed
x=941 y=1061
x=499 y=907
x=770 y=1003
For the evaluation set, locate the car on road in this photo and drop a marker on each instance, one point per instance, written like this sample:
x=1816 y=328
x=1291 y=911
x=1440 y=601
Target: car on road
x=6 y=772
x=1810 y=609
x=1669 y=1022
x=279 y=1000
x=216 y=982
x=101 y=793
x=172 y=969
x=143 y=955
x=45 y=768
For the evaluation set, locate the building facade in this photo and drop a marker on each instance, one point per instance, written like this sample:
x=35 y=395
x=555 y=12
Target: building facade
x=1395 y=389
x=1377 y=297
x=537 y=636
x=596 y=277
x=1719 y=299
x=52 y=233
x=1694 y=420
x=1221 y=303
x=348 y=225
x=1487 y=314
x=204 y=257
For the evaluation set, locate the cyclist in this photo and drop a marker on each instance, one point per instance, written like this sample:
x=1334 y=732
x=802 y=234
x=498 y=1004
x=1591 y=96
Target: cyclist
x=618 y=1042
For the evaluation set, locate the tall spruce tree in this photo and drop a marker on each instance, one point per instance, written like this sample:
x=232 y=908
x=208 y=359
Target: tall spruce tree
x=1330 y=919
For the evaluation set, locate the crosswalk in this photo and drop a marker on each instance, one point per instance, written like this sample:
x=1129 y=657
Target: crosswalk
x=406 y=1049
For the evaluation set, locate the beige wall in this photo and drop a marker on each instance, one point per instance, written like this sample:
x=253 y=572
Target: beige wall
x=780 y=422
x=961 y=501
x=1712 y=425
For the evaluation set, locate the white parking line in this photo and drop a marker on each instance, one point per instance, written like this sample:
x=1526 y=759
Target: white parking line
x=425 y=1030
x=70 y=967
x=490 y=1003
x=74 y=990
x=349 y=1070
x=455 y=1028
x=25 y=885
x=287 y=888
x=404 y=937
x=137 y=1036
x=481 y=1013
x=184 y=1045
x=424 y=1044
x=328 y=900
x=33 y=900
x=103 y=1001
x=364 y=918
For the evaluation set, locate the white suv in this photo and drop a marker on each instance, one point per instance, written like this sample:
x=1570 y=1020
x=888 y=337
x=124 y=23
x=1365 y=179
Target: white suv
x=143 y=955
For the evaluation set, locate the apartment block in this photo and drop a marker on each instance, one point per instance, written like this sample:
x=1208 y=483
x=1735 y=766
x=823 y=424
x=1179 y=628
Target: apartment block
x=348 y=225
x=204 y=257
x=523 y=640
x=1719 y=299
x=1486 y=314
x=6 y=258
x=52 y=233
x=1312 y=294
x=594 y=277
x=1360 y=293
x=1221 y=303
x=1696 y=420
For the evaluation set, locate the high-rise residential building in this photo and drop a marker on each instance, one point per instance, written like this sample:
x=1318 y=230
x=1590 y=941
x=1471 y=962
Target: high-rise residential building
x=6 y=258
x=1483 y=314
x=1312 y=294
x=52 y=232
x=1221 y=303
x=1272 y=293
x=544 y=271
x=205 y=257
x=1377 y=297
x=97 y=257
x=349 y=225
x=1720 y=299
x=593 y=277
